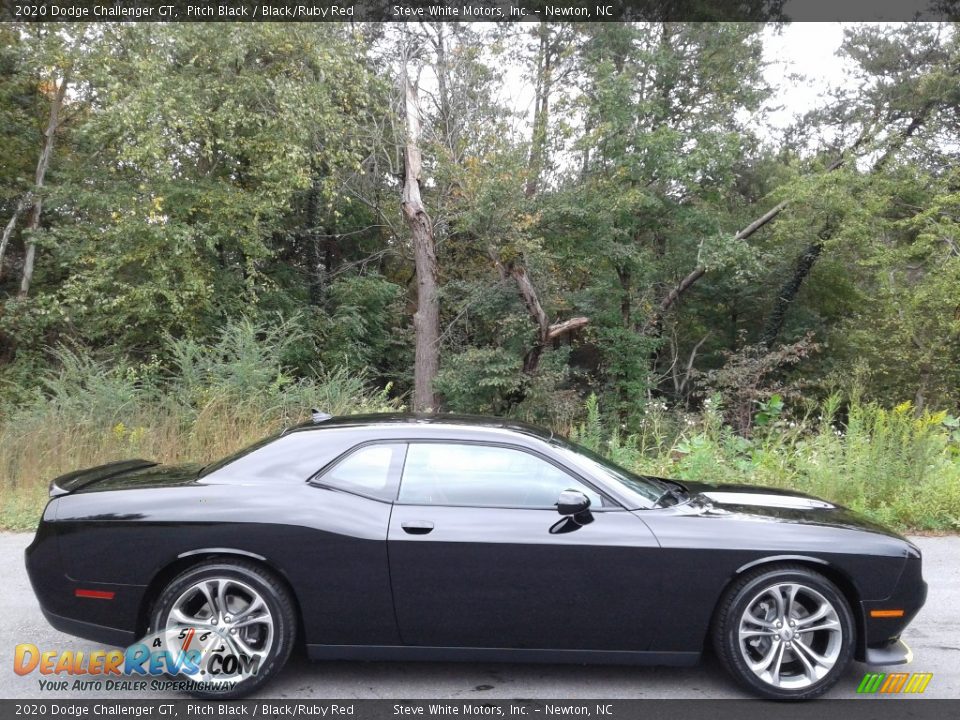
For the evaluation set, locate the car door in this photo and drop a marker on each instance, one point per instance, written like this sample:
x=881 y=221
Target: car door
x=479 y=556
x=340 y=568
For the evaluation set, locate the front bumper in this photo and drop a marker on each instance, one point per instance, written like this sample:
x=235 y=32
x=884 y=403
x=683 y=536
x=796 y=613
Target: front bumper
x=896 y=653
x=880 y=642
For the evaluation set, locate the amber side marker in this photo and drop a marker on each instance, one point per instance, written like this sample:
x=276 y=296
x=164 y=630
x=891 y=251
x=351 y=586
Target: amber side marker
x=98 y=594
x=886 y=613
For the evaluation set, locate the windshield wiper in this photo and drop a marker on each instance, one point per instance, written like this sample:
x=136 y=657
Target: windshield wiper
x=678 y=495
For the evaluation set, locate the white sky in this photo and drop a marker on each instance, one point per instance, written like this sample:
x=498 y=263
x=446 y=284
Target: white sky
x=807 y=49
x=801 y=48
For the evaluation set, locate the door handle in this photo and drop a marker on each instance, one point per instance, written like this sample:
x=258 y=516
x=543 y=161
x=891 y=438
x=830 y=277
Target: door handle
x=417 y=527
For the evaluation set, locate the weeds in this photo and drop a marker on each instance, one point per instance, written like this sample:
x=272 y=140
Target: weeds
x=220 y=398
x=896 y=466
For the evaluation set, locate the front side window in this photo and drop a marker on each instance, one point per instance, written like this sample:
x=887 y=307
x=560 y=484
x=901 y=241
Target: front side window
x=370 y=470
x=484 y=476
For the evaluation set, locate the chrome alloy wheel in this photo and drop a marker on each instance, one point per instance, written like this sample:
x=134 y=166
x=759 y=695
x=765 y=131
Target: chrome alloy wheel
x=232 y=615
x=790 y=636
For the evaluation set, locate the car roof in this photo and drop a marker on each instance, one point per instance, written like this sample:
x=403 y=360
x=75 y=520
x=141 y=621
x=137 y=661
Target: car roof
x=413 y=421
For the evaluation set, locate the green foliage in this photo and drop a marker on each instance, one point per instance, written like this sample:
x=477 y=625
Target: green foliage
x=895 y=466
x=752 y=378
x=221 y=239
x=361 y=332
x=480 y=380
x=220 y=397
x=174 y=190
x=769 y=411
x=241 y=365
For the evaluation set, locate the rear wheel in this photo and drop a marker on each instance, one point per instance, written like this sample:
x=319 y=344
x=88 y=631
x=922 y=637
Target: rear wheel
x=233 y=610
x=785 y=633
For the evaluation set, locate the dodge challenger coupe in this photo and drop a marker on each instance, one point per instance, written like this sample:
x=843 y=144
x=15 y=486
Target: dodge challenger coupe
x=405 y=537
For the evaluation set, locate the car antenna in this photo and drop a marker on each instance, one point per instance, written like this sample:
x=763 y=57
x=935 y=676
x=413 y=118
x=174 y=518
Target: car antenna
x=318 y=416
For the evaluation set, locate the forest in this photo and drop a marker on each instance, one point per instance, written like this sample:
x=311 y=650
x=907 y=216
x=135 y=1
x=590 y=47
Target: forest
x=209 y=229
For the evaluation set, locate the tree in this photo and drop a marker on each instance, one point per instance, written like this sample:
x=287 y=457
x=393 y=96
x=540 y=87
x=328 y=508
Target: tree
x=426 y=319
x=36 y=199
x=174 y=201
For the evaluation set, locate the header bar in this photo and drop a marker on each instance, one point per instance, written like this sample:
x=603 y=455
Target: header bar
x=475 y=10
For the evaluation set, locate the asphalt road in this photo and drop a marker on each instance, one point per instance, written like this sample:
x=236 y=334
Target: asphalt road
x=934 y=636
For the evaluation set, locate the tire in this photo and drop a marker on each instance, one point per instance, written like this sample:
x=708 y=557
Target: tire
x=785 y=661
x=260 y=605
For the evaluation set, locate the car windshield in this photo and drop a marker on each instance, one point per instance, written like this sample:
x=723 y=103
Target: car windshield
x=646 y=490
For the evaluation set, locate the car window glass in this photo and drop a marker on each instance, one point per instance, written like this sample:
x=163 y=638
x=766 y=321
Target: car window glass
x=295 y=457
x=647 y=489
x=369 y=470
x=483 y=476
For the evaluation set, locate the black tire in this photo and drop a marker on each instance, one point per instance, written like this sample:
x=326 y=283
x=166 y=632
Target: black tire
x=797 y=678
x=272 y=592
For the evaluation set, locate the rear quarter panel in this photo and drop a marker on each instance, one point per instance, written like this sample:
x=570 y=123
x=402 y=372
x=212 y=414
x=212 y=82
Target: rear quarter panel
x=329 y=546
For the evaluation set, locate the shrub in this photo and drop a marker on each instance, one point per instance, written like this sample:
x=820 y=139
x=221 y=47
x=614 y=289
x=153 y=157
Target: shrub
x=895 y=466
x=217 y=399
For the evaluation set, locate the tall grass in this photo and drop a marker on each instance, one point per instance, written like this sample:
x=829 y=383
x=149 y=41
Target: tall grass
x=217 y=399
x=896 y=466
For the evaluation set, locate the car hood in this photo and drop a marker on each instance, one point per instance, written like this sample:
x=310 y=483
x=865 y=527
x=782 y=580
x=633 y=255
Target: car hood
x=778 y=504
x=125 y=475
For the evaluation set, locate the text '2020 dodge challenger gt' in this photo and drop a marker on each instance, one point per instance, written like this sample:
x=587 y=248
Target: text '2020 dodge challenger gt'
x=403 y=537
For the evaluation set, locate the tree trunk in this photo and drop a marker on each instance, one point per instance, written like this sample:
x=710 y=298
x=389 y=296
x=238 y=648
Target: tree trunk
x=8 y=230
x=317 y=277
x=426 y=320
x=625 y=276
x=789 y=291
x=546 y=333
x=516 y=270
x=541 y=111
x=42 y=164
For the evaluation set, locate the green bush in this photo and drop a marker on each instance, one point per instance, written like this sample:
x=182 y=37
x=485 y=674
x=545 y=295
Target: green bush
x=216 y=399
x=895 y=466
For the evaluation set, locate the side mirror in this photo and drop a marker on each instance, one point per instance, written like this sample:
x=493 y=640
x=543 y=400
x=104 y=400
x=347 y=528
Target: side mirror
x=572 y=502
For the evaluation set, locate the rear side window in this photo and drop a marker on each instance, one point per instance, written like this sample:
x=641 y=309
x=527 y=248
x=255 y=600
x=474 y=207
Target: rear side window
x=370 y=470
x=292 y=457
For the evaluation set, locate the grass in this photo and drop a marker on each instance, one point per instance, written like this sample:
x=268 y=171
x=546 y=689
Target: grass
x=896 y=466
x=217 y=399
x=31 y=454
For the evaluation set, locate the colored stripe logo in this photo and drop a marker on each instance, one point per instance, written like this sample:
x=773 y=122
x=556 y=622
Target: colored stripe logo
x=892 y=683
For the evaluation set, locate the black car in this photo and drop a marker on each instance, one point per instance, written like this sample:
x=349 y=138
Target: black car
x=403 y=537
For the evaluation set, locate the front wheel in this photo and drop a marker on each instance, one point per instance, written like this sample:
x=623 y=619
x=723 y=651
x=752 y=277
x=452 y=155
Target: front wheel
x=785 y=633
x=236 y=617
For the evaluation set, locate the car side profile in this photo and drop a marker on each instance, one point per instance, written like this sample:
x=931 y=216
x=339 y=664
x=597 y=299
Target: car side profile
x=406 y=537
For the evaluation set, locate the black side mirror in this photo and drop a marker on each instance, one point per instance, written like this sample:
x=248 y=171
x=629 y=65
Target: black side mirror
x=572 y=502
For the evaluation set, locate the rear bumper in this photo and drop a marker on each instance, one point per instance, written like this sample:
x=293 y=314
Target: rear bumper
x=110 y=621
x=90 y=631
